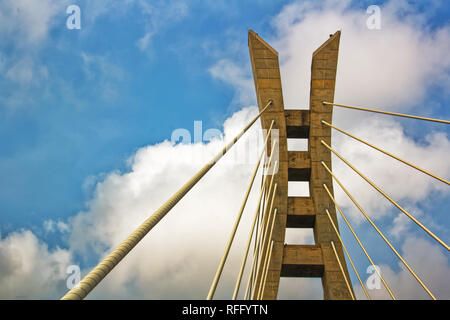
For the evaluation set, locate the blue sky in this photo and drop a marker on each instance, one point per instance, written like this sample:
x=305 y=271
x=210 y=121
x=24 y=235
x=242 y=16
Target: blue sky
x=75 y=105
x=63 y=133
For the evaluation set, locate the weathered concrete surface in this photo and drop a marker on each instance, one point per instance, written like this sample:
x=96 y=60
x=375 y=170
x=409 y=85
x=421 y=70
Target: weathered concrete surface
x=266 y=73
x=302 y=261
x=301 y=212
x=323 y=79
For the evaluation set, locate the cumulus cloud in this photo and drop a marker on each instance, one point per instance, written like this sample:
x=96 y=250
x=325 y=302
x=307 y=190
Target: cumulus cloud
x=29 y=269
x=179 y=257
x=51 y=226
x=188 y=243
x=390 y=68
x=233 y=75
x=393 y=69
x=396 y=179
x=430 y=264
x=300 y=289
x=25 y=26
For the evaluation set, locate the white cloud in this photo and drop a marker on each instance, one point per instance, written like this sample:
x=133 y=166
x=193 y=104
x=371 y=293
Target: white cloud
x=21 y=72
x=300 y=289
x=427 y=261
x=145 y=40
x=22 y=75
x=396 y=179
x=103 y=74
x=228 y=72
x=26 y=71
x=390 y=68
x=194 y=232
x=160 y=14
x=29 y=269
x=179 y=257
x=24 y=28
x=51 y=226
x=29 y=21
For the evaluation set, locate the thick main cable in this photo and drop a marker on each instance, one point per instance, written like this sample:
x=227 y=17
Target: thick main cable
x=97 y=274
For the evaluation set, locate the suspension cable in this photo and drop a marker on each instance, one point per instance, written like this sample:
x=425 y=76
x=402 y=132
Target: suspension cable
x=385 y=239
x=265 y=215
x=254 y=260
x=360 y=243
x=97 y=274
x=244 y=259
x=342 y=270
x=266 y=258
x=258 y=218
x=386 y=112
x=387 y=197
x=265 y=271
x=236 y=223
x=249 y=287
x=263 y=245
x=247 y=248
x=348 y=255
x=262 y=222
x=387 y=153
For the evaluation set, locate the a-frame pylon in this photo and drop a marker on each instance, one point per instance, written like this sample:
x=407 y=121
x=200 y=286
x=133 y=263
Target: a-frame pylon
x=287 y=260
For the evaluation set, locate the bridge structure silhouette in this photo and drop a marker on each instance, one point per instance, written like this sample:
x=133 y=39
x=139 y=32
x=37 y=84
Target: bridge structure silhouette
x=266 y=254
